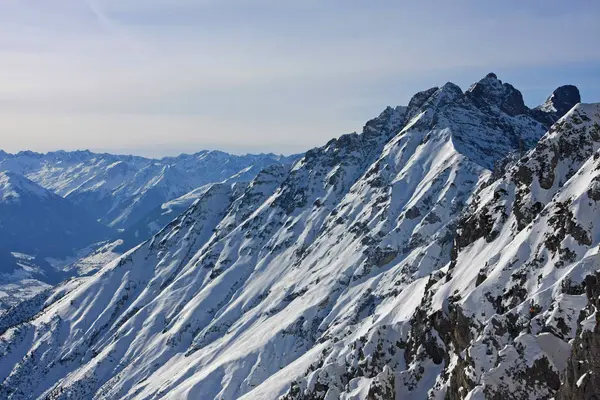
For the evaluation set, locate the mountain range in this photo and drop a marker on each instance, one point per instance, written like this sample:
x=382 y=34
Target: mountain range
x=60 y=206
x=448 y=251
x=119 y=190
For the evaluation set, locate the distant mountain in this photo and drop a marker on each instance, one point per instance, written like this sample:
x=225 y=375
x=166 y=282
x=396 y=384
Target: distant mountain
x=36 y=224
x=448 y=251
x=35 y=221
x=156 y=219
x=119 y=190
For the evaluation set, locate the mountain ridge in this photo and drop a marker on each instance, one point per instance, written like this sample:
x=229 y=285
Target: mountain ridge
x=119 y=190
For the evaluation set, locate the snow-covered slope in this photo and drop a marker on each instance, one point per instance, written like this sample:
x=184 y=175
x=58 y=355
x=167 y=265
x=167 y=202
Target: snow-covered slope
x=120 y=190
x=168 y=211
x=391 y=263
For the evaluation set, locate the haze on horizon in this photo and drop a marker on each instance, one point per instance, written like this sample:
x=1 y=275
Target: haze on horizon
x=160 y=77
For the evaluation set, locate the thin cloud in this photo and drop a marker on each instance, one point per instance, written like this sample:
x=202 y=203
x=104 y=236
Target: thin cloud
x=321 y=67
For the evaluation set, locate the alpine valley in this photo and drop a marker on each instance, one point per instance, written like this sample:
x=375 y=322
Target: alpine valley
x=451 y=250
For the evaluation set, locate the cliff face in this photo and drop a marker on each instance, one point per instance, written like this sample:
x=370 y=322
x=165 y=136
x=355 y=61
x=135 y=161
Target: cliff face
x=581 y=378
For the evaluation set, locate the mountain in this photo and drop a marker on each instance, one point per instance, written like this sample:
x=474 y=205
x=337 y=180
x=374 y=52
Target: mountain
x=122 y=191
x=36 y=224
x=442 y=253
x=152 y=222
x=35 y=221
x=119 y=190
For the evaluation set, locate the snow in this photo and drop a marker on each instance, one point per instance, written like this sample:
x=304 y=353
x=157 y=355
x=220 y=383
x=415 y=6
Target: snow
x=558 y=351
x=581 y=380
x=13 y=186
x=119 y=190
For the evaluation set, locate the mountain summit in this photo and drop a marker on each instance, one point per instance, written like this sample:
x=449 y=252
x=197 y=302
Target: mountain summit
x=491 y=91
x=13 y=187
x=387 y=264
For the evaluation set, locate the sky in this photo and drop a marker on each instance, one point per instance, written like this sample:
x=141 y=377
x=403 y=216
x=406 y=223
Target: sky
x=161 y=77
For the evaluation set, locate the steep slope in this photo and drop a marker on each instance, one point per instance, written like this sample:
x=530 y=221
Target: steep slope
x=340 y=278
x=581 y=379
x=520 y=260
x=161 y=216
x=120 y=190
x=497 y=321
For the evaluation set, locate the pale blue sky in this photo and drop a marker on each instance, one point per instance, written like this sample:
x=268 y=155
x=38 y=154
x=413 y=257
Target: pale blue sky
x=158 y=77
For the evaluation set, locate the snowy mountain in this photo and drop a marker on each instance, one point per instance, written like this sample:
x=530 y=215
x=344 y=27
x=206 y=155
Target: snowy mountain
x=35 y=221
x=442 y=253
x=152 y=222
x=120 y=190
x=34 y=224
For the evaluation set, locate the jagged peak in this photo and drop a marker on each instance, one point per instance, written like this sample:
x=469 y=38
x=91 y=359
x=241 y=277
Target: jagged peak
x=446 y=94
x=449 y=91
x=389 y=121
x=491 y=91
x=391 y=112
x=490 y=80
x=421 y=98
x=561 y=100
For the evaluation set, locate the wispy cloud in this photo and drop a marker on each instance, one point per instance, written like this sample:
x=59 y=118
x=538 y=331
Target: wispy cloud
x=301 y=71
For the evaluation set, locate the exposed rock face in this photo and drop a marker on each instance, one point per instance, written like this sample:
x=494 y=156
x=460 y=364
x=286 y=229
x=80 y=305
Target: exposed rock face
x=494 y=336
x=557 y=104
x=563 y=99
x=581 y=379
x=491 y=91
x=386 y=264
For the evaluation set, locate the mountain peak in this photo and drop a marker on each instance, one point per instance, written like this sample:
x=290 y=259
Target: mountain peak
x=452 y=89
x=394 y=259
x=562 y=99
x=420 y=98
x=446 y=94
x=490 y=91
x=13 y=186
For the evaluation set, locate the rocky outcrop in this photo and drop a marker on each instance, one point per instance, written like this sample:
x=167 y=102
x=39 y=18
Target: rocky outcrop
x=557 y=104
x=491 y=92
x=581 y=379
